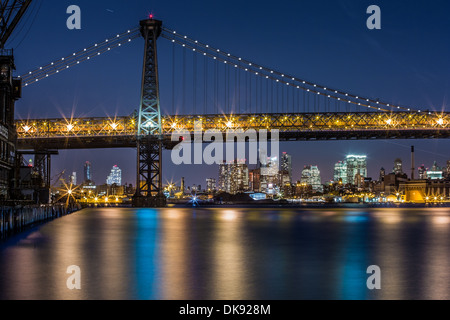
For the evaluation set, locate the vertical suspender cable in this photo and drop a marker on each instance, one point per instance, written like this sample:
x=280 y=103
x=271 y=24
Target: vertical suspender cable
x=195 y=83
x=205 y=85
x=184 y=83
x=174 y=109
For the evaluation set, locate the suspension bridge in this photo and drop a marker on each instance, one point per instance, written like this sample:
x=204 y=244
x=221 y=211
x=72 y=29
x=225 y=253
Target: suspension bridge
x=224 y=92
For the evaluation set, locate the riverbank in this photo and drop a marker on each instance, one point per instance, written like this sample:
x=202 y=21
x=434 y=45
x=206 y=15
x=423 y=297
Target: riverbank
x=16 y=219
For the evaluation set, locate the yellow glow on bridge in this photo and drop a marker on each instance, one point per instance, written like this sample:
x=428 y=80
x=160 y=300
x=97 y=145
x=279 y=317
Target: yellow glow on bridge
x=285 y=123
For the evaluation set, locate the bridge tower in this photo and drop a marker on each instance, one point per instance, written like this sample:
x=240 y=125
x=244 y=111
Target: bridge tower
x=149 y=140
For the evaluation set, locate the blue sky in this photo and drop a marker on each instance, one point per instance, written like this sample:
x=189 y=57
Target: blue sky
x=327 y=42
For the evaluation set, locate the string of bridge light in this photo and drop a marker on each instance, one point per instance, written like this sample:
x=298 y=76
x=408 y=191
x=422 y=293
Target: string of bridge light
x=268 y=73
x=78 y=57
x=271 y=77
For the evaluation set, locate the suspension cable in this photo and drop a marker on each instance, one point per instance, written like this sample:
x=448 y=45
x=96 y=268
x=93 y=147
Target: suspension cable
x=78 y=57
x=274 y=75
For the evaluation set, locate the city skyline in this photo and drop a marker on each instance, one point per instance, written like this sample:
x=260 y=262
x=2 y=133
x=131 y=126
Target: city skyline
x=402 y=72
x=327 y=172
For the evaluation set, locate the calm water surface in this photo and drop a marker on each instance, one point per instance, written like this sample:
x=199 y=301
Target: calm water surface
x=187 y=253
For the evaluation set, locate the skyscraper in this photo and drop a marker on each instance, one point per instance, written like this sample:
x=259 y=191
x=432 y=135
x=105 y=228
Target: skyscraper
x=340 y=172
x=233 y=176
x=356 y=164
x=87 y=172
x=398 y=166
x=269 y=175
x=311 y=177
x=115 y=177
x=286 y=166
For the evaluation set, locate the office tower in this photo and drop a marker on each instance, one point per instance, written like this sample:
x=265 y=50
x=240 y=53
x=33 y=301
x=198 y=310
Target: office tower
x=269 y=175
x=210 y=184
x=311 y=177
x=356 y=164
x=254 y=180
x=87 y=172
x=340 y=172
x=286 y=168
x=182 y=185
x=398 y=166
x=115 y=177
x=233 y=176
x=73 y=179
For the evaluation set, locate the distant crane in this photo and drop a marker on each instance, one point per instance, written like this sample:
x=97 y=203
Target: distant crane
x=57 y=177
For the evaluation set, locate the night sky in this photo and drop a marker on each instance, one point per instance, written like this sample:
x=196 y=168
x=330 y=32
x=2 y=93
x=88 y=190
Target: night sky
x=407 y=62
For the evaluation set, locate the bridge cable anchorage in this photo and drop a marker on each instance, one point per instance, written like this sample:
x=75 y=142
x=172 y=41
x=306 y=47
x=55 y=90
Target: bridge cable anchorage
x=79 y=56
x=288 y=80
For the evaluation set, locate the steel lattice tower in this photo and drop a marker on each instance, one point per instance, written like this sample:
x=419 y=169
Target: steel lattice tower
x=149 y=143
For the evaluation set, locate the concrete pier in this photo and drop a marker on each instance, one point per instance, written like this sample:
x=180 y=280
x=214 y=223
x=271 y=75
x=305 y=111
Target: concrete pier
x=15 y=219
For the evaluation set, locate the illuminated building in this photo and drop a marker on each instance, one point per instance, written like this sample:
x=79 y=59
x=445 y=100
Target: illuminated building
x=254 y=180
x=233 y=177
x=356 y=164
x=87 y=172
x=269 y=175
x=422 y=172
x=311 y=177
x=435 y=172
x=115 y=177
x=210 y=184
x=398 y=166
x=340 y=172
x=286 y=169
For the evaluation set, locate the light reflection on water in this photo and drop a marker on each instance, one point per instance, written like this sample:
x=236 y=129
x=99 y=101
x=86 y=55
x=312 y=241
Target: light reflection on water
x=227 y=253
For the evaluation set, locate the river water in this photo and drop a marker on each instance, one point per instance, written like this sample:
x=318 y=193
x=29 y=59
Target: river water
x=231 y=253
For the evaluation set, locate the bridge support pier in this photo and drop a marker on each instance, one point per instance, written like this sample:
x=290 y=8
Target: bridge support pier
x=149 y=171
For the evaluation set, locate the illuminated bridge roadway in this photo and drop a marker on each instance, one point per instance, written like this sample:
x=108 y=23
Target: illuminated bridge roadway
x=120 y=132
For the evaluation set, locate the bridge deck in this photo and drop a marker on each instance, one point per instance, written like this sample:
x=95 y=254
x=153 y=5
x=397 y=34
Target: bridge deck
x=120 y=132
